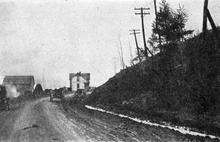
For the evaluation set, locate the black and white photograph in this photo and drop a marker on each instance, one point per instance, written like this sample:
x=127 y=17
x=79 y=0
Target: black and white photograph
x=109 y=71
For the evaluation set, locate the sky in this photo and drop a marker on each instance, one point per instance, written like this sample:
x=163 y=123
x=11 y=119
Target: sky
x=51 y=38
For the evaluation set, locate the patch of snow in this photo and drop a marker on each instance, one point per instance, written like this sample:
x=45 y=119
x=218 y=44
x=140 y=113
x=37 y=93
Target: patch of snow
x=183 y=130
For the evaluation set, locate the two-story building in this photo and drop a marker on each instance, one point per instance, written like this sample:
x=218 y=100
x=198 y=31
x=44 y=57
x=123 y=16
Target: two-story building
x=79 y=81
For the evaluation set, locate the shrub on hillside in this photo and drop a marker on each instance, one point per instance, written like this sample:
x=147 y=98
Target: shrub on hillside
x=182 y=80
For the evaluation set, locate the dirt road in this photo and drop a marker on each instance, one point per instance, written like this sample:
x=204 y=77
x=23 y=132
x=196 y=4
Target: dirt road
x=39 y=121
x=42 y=120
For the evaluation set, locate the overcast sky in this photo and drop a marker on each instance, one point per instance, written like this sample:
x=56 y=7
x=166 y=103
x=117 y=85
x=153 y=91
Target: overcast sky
x=52 y=38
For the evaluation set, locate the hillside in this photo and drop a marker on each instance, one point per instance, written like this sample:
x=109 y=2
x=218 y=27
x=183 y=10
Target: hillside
x=180 y=85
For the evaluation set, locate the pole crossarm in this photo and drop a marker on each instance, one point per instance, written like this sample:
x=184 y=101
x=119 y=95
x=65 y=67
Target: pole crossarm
x=144 y=8
x=134 y=31
x=142 y=13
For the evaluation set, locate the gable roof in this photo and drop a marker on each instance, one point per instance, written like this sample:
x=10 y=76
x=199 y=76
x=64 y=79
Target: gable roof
x=86 y=76
x=19 y=80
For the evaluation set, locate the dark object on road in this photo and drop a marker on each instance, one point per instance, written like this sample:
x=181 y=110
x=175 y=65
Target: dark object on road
x=32 y=126
x=47 y=92
x=4 y=101
x=57 y=93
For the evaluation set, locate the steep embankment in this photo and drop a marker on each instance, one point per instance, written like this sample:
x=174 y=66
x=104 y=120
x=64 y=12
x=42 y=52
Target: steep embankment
x=180 y=85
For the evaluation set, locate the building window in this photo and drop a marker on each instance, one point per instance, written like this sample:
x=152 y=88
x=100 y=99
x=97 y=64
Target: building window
x=77 y=86
x=77 y=78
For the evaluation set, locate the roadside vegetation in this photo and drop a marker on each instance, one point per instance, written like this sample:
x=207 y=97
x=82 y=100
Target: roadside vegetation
x=179 y=85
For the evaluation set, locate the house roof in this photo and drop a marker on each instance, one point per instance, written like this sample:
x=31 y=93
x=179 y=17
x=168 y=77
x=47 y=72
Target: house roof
x=86 y=76
x=19 y=80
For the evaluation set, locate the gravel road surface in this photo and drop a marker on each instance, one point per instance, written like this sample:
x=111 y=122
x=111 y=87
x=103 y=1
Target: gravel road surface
x=45 y=121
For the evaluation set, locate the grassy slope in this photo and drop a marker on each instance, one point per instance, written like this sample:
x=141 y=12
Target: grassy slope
x=180 y=86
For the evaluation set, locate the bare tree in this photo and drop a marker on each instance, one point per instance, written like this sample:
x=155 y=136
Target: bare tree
x=120 y=52
x=131 y=56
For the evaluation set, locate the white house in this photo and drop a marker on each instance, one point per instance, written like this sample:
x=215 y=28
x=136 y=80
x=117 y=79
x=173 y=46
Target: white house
x=79 y=81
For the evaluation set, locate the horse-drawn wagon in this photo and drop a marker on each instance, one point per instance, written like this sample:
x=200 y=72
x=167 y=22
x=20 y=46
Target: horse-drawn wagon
x=57 y=93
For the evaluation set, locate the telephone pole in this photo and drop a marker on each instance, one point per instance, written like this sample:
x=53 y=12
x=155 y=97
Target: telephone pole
x=204 y=26
x=207 y=15
x=214 y=28
x=155 y=8
x=142 y=13
x=135 y=37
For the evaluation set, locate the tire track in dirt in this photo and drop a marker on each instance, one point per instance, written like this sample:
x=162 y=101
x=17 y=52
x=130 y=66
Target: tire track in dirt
x=7 y=120
x=61 y=124
x=41 y=121
x=44 y=121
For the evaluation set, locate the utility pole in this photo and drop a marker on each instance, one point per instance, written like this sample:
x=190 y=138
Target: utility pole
x=142 y=13
x=155 y=8
x=134 y=33
x=204 y=26
x=215 y=31
x=207 y=15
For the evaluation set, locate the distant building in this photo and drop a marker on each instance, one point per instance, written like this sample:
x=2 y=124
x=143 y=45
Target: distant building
x=79 y=81
x=22 y=83
x=38 y=90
